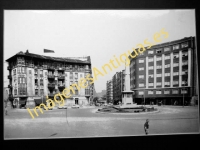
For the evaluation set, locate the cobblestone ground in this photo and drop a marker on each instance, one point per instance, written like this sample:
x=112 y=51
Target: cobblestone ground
x=85 y=122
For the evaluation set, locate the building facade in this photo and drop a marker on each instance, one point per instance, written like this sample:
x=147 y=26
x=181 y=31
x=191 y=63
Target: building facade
x=33 y=76
x=109 y=91
x=166 y=72
x=118 y=86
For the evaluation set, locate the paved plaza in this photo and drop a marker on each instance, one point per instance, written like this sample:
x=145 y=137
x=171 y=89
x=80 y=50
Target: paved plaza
x=85 y=122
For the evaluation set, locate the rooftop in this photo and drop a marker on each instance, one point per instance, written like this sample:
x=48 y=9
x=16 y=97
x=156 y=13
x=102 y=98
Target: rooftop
x=85 y=60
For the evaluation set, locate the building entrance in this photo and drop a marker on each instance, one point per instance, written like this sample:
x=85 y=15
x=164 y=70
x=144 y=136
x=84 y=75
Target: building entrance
x=76 y=101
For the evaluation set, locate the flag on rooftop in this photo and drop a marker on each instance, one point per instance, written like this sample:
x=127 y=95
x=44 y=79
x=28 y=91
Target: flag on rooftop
x=48 y=51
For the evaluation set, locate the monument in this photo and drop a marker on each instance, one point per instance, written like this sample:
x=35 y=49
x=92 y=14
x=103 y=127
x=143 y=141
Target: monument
x=127 y=94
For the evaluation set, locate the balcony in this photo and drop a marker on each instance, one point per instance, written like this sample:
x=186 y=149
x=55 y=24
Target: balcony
x=9 y=77
x=50 y=68
x=61 y=68
x=8 y=68
x=51 y=85
x=51 y=76
x=61 y=77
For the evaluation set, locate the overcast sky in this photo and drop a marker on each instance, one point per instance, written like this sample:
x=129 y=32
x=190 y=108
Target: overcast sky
x=99 y=34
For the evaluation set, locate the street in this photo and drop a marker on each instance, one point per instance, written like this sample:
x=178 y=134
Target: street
x=85 y=122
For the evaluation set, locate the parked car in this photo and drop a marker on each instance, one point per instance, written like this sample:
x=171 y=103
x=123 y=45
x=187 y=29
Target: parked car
x=62 y=107
x=75 y=106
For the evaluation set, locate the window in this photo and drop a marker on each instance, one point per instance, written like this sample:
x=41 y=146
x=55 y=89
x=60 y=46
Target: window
x=184 y=54
x=167 y=65
x=71 y=82
x=176 y=55
x=81 y=75
x=158 y=75
x=150 y=75
x=176 y=73
x=185 y=63
x=76 y=75
x=141 y=92
x=175 y=64
x=184 y=83
x=158 y=58
x=41 y=82
x=41 y=91
x=71 y=75
x=14 y=71
x=142 y=68
x=141 y=84
x=184 y=73
x=76 y=92
x=141 y=76
x=15 y=91
x=151 y=84
x=184 y=91
x=158 y=92
x=184 y=45
x=141 y=60
x=30 y=72
x=150 y=51
x=158 y=67
x=36 y=91
x=176 y=46
x=23 y=70
x=167 y=83
x=150 y=59
x=166 y=92
x=166 y=49
x=150 y=67
x=167 y=57
x=175 y=82
x=158 y=83
x=167 y=74
x=158 y=50
x=150 y=92
x=174 y=91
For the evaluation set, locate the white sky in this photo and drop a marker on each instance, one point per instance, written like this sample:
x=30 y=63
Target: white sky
x=96 y=33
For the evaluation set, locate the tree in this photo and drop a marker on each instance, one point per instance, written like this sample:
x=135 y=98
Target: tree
x=95 y=99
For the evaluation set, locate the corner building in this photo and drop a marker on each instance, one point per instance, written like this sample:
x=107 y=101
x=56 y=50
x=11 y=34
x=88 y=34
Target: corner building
x=166 y=72
x=33 y=76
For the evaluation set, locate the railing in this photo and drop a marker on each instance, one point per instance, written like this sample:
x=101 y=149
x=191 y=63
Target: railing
x=61 y=77
x=51 y=67
x=51 y=76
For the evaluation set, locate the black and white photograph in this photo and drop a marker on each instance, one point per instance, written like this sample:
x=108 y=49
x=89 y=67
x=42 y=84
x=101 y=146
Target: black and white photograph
x=99 y=73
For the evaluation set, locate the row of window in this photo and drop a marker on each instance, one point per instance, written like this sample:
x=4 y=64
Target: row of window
x=167 y=49
x=174 y=91
x=158 y=58
x=165 y=83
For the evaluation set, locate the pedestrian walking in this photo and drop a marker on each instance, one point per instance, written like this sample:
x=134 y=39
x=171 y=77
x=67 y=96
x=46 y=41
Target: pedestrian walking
x=146 y=127
x=6 y=110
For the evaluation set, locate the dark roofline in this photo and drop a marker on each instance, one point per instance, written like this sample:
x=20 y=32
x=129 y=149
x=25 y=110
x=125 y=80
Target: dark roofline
x=60 y=59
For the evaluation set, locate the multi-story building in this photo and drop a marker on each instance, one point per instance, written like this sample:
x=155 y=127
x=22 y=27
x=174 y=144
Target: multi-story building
x=166 y=72
x=32 y=76
x=118 y=86
x=109 y=91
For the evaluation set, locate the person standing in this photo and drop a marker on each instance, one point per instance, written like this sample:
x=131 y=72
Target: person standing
x=146 y=127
